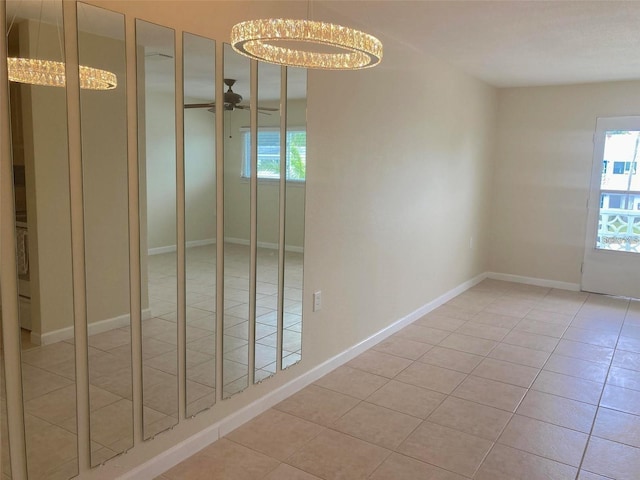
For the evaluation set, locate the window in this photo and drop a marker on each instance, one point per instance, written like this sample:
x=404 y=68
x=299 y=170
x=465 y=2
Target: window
x=615 y=201
x=269 y=154
x=620 y=168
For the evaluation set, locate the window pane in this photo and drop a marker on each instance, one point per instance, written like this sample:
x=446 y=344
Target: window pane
x=296 y=154
x=269 y=154
x=619 y=220
x=620 y=152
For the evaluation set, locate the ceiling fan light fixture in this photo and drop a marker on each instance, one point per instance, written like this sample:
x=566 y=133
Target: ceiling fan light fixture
x=257 y=39
x=51 y=73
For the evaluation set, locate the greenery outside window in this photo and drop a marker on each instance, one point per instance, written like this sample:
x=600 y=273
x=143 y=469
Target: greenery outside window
x=269 y=154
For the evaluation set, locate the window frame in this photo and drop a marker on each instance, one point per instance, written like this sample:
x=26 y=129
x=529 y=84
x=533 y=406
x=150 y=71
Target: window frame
x=245 y=173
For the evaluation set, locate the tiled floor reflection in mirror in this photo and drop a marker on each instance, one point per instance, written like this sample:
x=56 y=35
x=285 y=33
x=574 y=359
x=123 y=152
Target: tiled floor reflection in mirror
x=504 y=382
x=49 y=370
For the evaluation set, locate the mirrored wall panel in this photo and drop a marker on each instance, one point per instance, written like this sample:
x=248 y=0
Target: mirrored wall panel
x=296 y=157
x=268 y=219
x=158 y=233
x=237 y=223
x=106 y=221
x=200 y=219
x=5 y=462
x=43 y=238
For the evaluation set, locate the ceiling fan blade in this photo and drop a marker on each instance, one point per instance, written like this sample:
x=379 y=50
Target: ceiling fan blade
x=199 y=105
x=260 y=110
x=265 y=109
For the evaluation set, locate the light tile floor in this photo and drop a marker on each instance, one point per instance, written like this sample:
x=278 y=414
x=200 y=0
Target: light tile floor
x=49 y=371
x=504 y=382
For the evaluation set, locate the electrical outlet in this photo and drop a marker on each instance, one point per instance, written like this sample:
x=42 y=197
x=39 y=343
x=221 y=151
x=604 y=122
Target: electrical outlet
x=471 y=243
x=317 y=301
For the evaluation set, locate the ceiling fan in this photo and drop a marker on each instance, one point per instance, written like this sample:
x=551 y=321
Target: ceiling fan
x=231 y=101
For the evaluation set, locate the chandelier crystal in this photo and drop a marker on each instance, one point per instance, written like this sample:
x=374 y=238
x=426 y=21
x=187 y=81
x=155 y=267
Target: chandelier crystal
x=258 y=39
x=51 y=73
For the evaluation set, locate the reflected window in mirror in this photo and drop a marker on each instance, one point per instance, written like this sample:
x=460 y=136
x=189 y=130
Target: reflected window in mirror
x=268 y=305
x=296 y=157
x=269 y=152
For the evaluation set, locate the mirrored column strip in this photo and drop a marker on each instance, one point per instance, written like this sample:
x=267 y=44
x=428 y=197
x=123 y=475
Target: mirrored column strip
x=77 y=235
x=134 y=228
x=9 y=287
x=253 y=218
x=294 y=211
x=180 y=227
x=237 y=217
x=158 y=235
x=200 y=220
x=219 y=94
x=282 y=208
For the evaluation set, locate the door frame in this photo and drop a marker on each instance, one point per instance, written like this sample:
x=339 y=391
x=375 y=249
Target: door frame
x=607 y=271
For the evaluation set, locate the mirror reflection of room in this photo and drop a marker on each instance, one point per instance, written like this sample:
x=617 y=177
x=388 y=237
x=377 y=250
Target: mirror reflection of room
x=106 y=234
x=200 y=220
x=267 y=313
x=158 y=230
x=237 y=225
x=268 y=218
x=42 y=225
x=295 y=194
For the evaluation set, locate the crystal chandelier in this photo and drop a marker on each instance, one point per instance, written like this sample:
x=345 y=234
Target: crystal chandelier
x=51 y=73
x=258 y=39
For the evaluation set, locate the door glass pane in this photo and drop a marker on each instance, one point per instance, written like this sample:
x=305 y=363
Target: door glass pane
x=619 y=218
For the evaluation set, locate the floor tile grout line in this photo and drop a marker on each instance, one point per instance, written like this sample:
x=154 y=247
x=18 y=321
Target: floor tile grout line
x=467 y=375
x=513 y=413
x=604 y=386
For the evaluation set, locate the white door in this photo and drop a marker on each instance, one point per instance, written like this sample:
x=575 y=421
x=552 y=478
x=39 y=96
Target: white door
x=612 y=254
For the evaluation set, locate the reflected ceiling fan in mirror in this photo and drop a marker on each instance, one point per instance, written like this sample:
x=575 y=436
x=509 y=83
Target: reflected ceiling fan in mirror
x=231 y=101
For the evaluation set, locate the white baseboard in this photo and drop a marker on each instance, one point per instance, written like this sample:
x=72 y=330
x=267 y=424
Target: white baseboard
x=173 y=248
x=163 y=462
x=93 y=329
x=200 y=243
x=539 y=282
x=174 y=455
x=268 y=245
x=161 y=250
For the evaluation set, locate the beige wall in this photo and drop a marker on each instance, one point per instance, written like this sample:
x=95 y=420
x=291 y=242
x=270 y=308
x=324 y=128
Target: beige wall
x=160 y=169
x=106 y=196
x=396 y=190
x=544 y=155
x=200 y=175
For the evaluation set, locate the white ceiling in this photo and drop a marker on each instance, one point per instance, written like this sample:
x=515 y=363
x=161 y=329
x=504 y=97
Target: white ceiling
x=509 y=43
x=505 y=43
